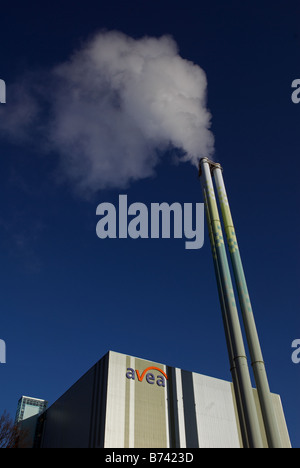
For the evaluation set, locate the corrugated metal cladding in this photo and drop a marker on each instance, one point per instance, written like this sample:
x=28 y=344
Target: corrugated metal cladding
x=129 y=402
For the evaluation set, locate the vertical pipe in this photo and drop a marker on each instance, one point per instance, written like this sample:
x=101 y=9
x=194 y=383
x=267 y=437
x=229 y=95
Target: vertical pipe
x=257 y=362
x=238 y=350
x=233 y=369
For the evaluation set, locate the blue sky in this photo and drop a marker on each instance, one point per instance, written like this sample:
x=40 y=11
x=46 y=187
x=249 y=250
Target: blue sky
x=67 y=297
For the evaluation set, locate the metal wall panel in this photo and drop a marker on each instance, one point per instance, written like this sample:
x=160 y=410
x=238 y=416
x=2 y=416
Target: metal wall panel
x=191 y=411
x=116 y=401
x=77 y=418
x=216 y=418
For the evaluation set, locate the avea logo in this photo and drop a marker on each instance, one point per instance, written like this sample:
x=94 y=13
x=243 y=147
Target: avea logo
x=150 y=378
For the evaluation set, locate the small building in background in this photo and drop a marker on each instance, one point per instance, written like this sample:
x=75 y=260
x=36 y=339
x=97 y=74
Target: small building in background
x=27 y=416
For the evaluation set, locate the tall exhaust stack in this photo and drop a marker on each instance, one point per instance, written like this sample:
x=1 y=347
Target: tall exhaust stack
x=257 y=361
x=229 y=309
x=233 y=332
x=233 y=368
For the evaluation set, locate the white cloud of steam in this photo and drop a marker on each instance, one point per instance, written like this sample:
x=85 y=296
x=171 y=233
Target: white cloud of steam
x=113 y=104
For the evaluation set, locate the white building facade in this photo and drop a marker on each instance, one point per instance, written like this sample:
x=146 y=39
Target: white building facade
x=127 y=402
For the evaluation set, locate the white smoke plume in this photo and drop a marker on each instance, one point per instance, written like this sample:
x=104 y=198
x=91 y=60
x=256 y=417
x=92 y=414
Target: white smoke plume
x=114 y=107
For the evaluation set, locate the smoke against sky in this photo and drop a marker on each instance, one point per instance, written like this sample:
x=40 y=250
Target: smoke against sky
x=113 y=108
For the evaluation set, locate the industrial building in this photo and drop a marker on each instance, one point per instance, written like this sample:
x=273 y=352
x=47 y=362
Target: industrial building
x=127 y=402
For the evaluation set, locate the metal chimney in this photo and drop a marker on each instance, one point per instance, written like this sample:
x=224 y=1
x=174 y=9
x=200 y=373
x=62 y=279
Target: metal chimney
x=257 y=362
x=234 y=338
x=233 y=369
